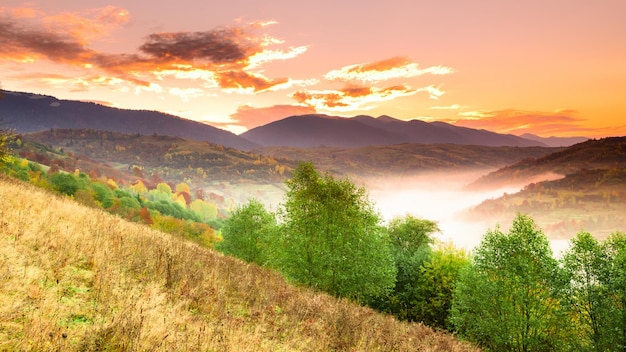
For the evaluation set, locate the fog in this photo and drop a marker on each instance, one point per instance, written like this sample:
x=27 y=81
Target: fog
x=441 y=198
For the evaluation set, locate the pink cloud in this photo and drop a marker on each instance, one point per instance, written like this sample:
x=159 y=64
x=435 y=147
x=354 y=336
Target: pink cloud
x=519 y=122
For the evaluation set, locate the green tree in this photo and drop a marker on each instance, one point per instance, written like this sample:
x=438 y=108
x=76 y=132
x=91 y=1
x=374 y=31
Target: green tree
x=616 y=285
x=436 y=284
x=511 y=298
x=247 y=233
x=206 y=211
x=64 y=183
x=331 y=237
x=588 y=268
x=410 y=241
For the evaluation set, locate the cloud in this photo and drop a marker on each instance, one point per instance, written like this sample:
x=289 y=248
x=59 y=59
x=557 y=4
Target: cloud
x=245 y=82
x=250 y=117
x=449 y=107
x=519 y=121
x=186 y=93
x=397 y=67
x=225 y=57
x=220 y=46
x=351 y=97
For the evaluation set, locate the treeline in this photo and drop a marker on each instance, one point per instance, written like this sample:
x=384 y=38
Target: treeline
x=172 y=211
x=510 y=294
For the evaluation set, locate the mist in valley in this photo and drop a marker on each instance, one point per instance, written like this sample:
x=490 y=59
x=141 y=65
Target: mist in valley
x=444 y=198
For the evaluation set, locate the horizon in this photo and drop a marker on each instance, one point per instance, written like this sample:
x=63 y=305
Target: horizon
x=547 y=69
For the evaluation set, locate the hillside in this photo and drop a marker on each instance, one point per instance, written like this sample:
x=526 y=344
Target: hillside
x=173 y=158
x=307 y=131
x=406 y=159
x=592 y=154
x=78 y=279
x=589 y=200
x=26 y=112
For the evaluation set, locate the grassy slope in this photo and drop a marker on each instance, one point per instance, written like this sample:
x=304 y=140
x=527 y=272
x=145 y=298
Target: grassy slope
x=77 y=279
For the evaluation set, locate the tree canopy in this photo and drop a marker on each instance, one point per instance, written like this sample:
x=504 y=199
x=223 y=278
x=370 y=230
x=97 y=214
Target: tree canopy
x=511 y=298
x=332 y=238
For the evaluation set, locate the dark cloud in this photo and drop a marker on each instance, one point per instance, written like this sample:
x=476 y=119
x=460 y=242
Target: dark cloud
x=17 y=42
x=217 y=46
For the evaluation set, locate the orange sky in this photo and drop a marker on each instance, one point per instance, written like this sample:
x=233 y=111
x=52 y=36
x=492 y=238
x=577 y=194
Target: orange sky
x=547 y=67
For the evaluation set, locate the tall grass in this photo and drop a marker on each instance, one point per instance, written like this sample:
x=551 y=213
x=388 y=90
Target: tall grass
x=74 y=278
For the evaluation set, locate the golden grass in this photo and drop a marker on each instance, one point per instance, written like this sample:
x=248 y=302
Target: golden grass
x=74 y=278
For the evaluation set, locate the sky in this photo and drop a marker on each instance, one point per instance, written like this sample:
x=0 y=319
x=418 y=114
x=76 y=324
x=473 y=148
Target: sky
x=549 y=67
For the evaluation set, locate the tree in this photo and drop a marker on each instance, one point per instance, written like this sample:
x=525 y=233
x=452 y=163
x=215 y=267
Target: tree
x=64 y=183
x=588 y=268
x=206 y=211
x=616 y=284
x=6 y=137
x=410 y=241
x=512 y=298
x=436 y=284
x=247 y=233
x=331 y=237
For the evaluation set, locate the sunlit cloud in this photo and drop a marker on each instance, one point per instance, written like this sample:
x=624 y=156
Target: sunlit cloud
x=274 y=55
x=398 y=67
x=433 y=92
x=250 y=117
x=152 y=87
x=449 y=107
x=351 y=98
x=227 y=58
x=186 y=94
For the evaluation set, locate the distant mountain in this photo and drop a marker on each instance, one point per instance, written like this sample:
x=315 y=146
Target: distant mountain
x=26 y=112
x=606 y=153
x=555 y=141
x=305 y=131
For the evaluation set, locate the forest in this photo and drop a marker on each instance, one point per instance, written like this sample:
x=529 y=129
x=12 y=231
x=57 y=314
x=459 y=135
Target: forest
x=509 y=294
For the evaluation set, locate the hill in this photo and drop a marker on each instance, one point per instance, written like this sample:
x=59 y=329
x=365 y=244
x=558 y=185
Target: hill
x=582 y=187
x=230 y=174
x=307 y=131
x=589 y=200
x=555 y=141
x=406 y=159
x=78 y=279
x=26 y=112
x=592 y=154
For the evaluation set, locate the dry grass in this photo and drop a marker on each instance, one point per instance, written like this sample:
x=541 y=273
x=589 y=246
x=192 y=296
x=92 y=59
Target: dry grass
x=77 y=279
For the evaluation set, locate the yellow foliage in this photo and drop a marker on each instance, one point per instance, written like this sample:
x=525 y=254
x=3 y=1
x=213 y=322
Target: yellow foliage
x=112 y=183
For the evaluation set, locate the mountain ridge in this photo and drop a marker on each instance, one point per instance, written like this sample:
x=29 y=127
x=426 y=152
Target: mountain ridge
x=314 y=130
x=592 y=154
x=28 y=112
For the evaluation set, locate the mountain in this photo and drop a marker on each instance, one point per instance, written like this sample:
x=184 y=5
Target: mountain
x=26 y=112
x=305 y=131
x=605 y=153
x=555 y=141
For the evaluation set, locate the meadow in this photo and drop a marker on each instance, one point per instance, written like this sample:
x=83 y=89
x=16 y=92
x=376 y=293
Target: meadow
x=75 y=278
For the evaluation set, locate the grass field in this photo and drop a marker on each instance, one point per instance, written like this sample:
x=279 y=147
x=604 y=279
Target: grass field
x=74 y=278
